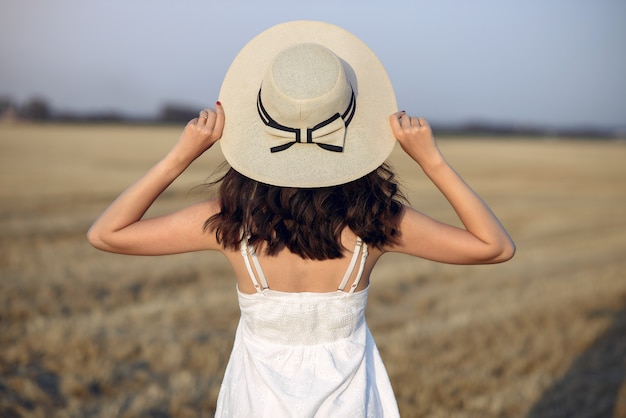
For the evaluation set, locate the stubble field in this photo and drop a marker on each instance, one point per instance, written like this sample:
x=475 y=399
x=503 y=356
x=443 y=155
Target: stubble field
x=89 y=334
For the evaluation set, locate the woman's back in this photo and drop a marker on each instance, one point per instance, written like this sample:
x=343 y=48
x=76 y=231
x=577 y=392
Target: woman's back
x=288 y=272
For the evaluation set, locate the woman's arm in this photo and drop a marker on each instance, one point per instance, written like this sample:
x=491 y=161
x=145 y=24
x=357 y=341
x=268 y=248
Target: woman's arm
x=121 y=229
x=484 y=240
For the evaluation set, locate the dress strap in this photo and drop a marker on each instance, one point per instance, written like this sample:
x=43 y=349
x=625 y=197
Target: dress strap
x=248 y=252
x=355 y=256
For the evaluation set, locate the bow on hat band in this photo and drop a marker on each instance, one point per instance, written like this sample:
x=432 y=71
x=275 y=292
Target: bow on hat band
x=319 y=134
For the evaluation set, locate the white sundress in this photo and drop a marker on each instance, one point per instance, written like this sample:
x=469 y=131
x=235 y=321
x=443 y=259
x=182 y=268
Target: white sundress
x=304 y=354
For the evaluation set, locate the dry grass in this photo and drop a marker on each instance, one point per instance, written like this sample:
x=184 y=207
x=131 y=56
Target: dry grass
x=89 y=334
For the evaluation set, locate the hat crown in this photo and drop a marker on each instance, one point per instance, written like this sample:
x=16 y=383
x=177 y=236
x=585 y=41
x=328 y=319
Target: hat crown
x=304 y=85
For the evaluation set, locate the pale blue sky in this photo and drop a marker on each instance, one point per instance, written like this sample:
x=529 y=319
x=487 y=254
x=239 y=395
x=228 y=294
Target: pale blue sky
x=541 y=62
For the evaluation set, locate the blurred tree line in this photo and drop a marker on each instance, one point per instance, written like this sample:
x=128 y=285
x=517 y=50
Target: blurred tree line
x=38 y=109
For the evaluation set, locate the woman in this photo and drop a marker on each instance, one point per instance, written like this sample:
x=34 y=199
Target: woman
x=303 y=215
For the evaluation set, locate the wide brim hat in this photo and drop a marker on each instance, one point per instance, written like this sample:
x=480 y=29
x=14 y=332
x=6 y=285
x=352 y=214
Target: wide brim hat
x=249 y=145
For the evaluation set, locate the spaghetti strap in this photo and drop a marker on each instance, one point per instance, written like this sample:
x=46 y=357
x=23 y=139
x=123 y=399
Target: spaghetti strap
x=359 y=274
x=248 y=252
x=350 y=269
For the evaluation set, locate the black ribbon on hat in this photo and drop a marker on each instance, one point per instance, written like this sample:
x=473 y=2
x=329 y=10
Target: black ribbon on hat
x=270 y=122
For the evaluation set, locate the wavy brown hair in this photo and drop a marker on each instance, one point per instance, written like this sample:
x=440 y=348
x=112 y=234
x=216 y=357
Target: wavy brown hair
x=307 y=221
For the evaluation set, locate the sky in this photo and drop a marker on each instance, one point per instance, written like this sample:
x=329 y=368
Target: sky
x=551 y=63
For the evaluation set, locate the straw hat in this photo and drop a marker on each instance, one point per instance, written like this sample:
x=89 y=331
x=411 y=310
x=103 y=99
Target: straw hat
x=307 y=105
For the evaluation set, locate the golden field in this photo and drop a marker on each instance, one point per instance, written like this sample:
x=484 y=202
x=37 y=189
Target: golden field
x=89 y=334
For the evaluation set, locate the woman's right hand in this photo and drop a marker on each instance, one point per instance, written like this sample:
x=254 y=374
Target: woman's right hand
x=200 y=134
x=416 y=138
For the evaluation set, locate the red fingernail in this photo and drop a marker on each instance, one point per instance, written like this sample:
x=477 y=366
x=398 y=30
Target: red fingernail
x=218 y=103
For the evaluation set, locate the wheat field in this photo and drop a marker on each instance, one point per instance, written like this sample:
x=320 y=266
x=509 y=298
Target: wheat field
x=89 y=334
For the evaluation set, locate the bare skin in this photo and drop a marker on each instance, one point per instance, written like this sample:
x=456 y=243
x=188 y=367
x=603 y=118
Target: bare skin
x=122 y=229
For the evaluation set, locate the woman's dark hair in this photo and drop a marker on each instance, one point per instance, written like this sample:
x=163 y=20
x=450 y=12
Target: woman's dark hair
x=307 y=221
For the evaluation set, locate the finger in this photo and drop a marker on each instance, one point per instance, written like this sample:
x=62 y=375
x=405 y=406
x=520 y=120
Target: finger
x=204 y=116
x=406 y=121
x=395 y=121
x=424 y=123
x=219 y=120
x=210 y=119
